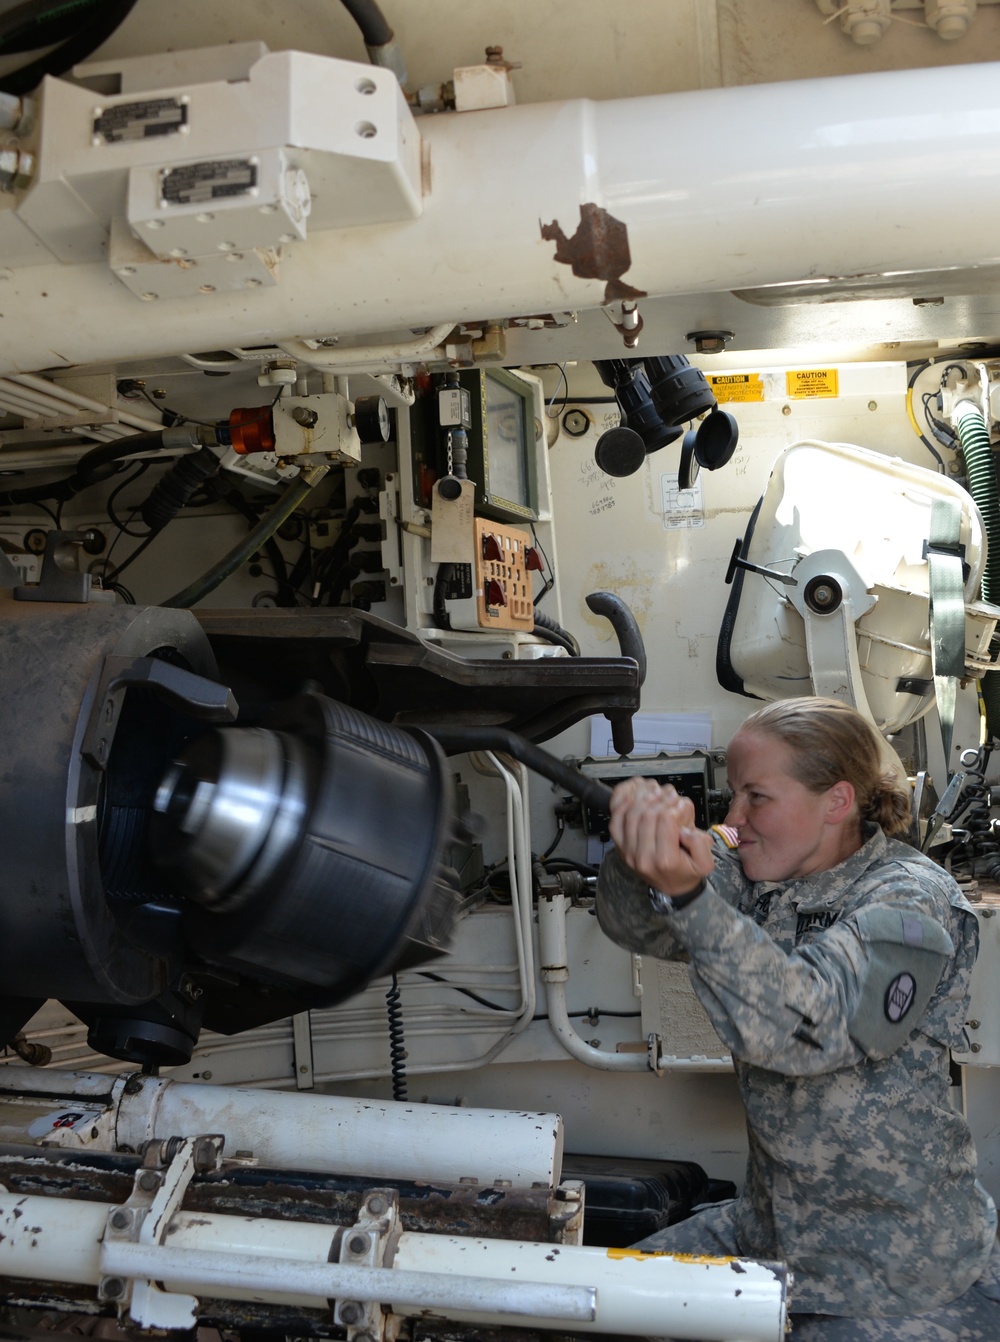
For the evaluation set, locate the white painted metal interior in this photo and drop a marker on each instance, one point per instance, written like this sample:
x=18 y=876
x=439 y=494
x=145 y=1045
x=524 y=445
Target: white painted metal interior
x=829 y=201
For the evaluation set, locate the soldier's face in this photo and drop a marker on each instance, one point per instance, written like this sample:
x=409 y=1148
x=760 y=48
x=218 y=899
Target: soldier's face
x=785 y=830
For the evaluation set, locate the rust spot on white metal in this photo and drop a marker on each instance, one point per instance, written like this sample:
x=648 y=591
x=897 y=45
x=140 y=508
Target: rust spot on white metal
x=598 y=250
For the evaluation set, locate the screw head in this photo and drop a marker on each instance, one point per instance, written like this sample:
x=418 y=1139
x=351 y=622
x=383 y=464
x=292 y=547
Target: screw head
x=121 y=1218
x=377 y=1204
x=358 y=1244
x=112 y=1288
x=148 y=1181
x=351 y=1312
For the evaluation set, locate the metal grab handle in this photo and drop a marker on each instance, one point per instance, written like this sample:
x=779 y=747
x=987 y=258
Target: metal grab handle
x=625 y=625
x=460 y=739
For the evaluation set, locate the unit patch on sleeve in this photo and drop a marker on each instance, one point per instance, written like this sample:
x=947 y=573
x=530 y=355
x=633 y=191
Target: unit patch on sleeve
x=899 y=997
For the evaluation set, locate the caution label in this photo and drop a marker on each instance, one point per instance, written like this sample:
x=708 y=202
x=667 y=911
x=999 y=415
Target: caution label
x=810 y=383
x=737 y=386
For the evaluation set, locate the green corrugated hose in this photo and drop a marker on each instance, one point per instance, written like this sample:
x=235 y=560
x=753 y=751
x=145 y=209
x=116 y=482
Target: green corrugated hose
x=981 y=471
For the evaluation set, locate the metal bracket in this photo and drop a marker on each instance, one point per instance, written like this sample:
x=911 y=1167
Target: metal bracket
x=364 y=1245
x=195 y=695
x=61 y=579
x=144 y=1221
x=831 y=596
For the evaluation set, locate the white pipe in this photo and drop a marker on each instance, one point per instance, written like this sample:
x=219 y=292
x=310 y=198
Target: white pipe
x=13 y=390
x=368 y=356
x=713 y=1299
x=286 y=1262
x=76 y=398
x=258 y=1278
x=320 y=1132
x=836 y=185
x=553 y=953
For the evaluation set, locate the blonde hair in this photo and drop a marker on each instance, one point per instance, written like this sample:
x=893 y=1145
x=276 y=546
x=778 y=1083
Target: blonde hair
x=831 y=742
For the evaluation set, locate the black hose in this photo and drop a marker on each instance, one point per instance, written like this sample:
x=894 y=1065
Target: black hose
x=169 y=495
x=548 y=629
x=88 y=469
x=75 y=49
x=41 y=23
x=254 y=539
x=373 y=24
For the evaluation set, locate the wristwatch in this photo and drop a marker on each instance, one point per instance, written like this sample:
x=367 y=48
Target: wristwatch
x=673 y=903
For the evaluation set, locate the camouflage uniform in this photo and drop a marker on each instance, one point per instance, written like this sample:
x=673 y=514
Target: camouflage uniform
x=839 y=995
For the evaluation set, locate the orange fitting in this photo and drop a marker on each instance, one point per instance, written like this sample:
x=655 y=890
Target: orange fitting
x=251 y=429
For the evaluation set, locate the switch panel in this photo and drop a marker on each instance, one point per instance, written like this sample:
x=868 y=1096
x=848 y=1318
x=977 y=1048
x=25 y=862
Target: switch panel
x=504 y=597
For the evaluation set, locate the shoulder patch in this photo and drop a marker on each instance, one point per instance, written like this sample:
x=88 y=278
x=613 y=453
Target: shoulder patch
x=905 y=955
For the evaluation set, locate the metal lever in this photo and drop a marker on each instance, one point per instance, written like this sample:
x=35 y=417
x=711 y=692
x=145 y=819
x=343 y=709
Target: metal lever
x=736 y=562
x=455 y=739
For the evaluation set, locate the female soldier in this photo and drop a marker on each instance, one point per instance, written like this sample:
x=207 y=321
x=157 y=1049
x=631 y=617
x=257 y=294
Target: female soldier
x=834 y=963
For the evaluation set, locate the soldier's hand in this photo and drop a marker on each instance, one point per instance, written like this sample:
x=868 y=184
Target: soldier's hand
x=654 y=832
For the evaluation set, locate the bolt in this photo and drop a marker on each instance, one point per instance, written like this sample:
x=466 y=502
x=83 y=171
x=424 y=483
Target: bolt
x=977 y=1048
x=576 y=423
x=358 y=1244
x=972 y=1024
x=351 y=1312
x=148 y=1181
x=159 y=393
x=873 y=405
x=304 y=416
x=710 y=342
x=786 y=409
x=494 y=56
x=377 y=1204
x=121 y=1218
x=112 y=1288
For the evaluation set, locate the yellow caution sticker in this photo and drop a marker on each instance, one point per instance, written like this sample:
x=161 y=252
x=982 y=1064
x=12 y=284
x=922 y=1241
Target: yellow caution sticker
x=703 y=1258
x=809 y=383
x=737 y=386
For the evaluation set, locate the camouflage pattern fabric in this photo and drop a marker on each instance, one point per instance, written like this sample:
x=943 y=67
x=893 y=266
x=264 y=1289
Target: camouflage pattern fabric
x=861 y=1175
x=973 y=1317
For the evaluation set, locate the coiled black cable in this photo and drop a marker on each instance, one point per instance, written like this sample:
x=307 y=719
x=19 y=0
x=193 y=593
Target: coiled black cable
x=975 y=819
x=397 y=1046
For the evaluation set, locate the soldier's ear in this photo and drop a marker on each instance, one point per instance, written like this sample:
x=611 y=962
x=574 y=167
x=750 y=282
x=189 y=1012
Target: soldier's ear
x=840 y=802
